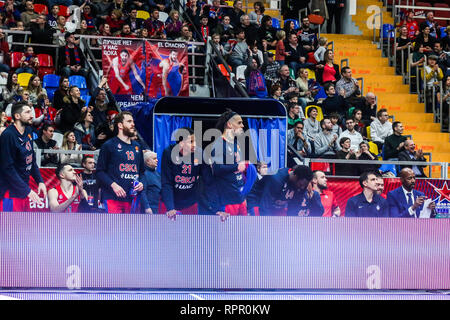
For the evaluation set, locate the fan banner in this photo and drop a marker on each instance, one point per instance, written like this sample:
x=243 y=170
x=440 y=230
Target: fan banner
x=142 y=69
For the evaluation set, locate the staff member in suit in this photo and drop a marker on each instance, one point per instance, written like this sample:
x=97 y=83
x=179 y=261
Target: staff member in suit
x=405 y=202
x=411 y=155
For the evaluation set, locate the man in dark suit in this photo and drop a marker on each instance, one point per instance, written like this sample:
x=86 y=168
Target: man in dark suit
x=409 y=154
x=405 y=202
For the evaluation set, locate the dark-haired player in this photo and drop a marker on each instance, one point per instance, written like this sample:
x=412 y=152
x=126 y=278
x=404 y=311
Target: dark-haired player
x=120 y=165
x=289 y=192
x=18 y=160
x=69 y=196
x=180 y=171
x=90 y=180
x=228 y=165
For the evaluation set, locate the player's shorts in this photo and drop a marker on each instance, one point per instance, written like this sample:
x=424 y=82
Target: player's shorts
x=114 y=206
x=17 y=204
x=185 y=211
x=238 y=209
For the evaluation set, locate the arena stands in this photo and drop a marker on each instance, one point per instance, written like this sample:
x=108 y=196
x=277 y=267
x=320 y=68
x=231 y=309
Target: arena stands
x=252 y=59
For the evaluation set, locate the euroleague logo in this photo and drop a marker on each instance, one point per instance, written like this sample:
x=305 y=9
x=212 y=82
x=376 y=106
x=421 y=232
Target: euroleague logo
x=443 y=199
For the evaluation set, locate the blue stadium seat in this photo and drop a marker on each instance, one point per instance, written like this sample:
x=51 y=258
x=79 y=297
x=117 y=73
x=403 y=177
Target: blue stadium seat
x=86 y=99
x=296 y=24
x=443 y=32
x=50 y=92
x=80 y=82
x=386 y=29
x=276 y=23
x=50 y=81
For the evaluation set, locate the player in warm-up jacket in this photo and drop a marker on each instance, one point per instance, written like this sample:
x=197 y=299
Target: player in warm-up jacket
x=18 y=161
x=120 y=167
x=288 y=192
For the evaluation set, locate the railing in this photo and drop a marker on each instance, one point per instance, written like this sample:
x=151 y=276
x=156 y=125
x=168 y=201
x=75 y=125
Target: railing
x=442 y=165
x=40 y=152
x=331 y=43
x=396 y=11
x=238 y=86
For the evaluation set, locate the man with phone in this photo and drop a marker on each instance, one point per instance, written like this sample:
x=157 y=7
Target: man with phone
x=405 y=202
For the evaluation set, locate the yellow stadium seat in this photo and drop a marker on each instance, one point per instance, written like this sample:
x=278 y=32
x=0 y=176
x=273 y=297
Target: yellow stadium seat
x=141 y=14
x=229 y=3
x=368 y=133
x=319 y=112
x=373 y=148
x=272 y=51
x=311 y=74
x=23 y=79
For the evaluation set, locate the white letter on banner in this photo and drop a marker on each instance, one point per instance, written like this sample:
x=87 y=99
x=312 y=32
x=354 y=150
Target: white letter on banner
x=74 y=279
x=374 y=279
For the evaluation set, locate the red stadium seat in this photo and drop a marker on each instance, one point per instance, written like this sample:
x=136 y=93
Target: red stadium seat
x=442 y=14
x=46 y=65
x=2 y=4
x=40 y=8
x=15 y=59
x=63 y=11
x=423 y=4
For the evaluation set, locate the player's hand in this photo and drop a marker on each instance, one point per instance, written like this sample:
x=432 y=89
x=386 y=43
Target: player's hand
x=223 y=215
x=118 y=190
x=172 y=214
x=241 y=166
x=149 y=211
x=42 y=189
x=126 y=87
x=139 y=187
x=79 y=181
x=34 y=198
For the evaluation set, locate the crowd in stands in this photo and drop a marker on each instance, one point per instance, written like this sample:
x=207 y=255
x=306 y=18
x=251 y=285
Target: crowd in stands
x=427 y=38
x=291 y=64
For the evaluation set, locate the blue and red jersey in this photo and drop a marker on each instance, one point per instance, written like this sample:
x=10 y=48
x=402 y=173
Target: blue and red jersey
x=18 y=161
x=122 y=163
x=277 y=194
x=179 y=180
x=229 y=181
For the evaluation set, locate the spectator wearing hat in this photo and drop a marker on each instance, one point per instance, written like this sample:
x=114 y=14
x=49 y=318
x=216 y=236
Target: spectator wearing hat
x=71 y=58
x=270 y=67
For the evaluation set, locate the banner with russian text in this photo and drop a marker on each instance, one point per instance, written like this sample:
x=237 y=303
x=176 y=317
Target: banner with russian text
x=142 y=69
x=125 y=66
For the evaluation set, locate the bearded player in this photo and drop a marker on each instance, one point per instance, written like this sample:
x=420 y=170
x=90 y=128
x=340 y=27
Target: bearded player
x=120 y=166
x=18 y=160
x=165 y=77
x=120 y=82
x=69 y=196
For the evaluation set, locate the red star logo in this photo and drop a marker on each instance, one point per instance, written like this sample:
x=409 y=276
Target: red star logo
x=444 y=193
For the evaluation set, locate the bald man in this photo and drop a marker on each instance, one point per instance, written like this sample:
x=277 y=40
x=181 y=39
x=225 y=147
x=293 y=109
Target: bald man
x=410 y=154
x=405 y=201
x=368 y=107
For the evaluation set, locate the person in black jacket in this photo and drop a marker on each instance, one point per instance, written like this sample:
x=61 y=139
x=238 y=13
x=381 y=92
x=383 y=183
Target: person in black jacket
x=334 y=8
x=71 y=58
x=411 y=155
x=152 y=191
x=42 y=33
x=333 y=103
x=72 y=109
x=61 y=93
x=101 y=102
